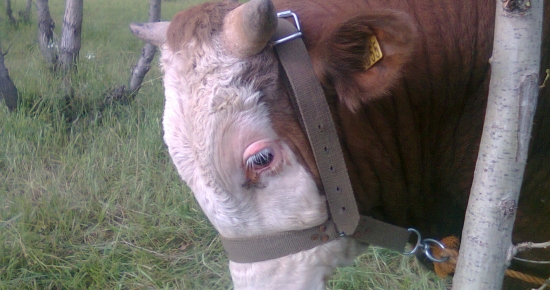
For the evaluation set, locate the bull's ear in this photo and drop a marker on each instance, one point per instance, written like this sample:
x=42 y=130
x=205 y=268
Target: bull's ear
x=363 y=57
x=154 y=33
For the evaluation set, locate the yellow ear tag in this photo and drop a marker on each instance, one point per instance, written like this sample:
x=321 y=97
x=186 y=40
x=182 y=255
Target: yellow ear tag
x=375 y=52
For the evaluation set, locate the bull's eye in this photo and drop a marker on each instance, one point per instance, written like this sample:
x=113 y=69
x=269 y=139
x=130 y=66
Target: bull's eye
x=261 y=159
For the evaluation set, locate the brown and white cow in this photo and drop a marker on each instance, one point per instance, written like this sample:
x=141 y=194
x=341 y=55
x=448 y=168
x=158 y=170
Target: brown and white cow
x=410 y=125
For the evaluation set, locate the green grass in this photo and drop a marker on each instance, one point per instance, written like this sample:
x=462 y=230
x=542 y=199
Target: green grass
x=98 y=204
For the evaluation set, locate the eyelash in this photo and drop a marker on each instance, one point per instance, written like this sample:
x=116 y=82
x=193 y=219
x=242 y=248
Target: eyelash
x=261 y=159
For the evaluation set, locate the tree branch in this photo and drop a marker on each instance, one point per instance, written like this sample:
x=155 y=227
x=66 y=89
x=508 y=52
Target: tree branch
x=9 y=12
x=545 y=79
x=514 y=250
x=545 y=285
x=8 y=91
x=147 y=54
x=530 y=245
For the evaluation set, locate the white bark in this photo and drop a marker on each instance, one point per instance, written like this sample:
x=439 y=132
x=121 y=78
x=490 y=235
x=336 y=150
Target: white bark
x=69 y=48
x=71 y=35
x=486 y=237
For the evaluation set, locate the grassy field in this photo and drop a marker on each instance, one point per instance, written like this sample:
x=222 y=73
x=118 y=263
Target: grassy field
x=97 y=204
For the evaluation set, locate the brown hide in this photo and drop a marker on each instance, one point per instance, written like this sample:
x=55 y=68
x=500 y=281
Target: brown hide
x=412 y=150
x=191 y=24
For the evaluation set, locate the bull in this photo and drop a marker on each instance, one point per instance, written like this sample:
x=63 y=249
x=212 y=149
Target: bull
x=409 y=124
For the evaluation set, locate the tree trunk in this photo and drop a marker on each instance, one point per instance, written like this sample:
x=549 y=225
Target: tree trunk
x=147 y=53
x=26 y=14
x=46 y=25
x=8 y=91
x=9 y=12
x=70 y=41
x=486 y=237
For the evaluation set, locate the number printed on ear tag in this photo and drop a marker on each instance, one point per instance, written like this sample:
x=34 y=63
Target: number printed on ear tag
x=375 y=52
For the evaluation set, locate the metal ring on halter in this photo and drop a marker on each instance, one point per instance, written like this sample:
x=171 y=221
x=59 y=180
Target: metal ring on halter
x=418 y=242
x=428 y=253
x=287 y=14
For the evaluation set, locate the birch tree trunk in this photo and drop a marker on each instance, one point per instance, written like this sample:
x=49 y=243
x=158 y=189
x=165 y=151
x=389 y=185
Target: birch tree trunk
x=46 y=26
x=8 y=91
x=71 y=35
x=70 y=41
x=147 y=53
x=486 y=236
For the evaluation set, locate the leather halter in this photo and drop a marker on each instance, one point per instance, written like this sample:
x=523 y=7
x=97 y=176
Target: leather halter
x=344 y=221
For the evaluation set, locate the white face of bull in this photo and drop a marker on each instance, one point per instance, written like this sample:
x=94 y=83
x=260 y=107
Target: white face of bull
x=235 y=141
x=221 y=137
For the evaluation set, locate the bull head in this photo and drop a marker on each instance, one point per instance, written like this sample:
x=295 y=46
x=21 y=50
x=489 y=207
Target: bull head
x=233 y=136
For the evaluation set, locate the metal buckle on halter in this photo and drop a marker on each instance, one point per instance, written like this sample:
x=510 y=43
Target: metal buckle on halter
x=286 y=14
x=424 y=246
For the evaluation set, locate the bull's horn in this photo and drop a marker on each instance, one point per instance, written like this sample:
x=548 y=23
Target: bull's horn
x=154 y=33
x=248 y=28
